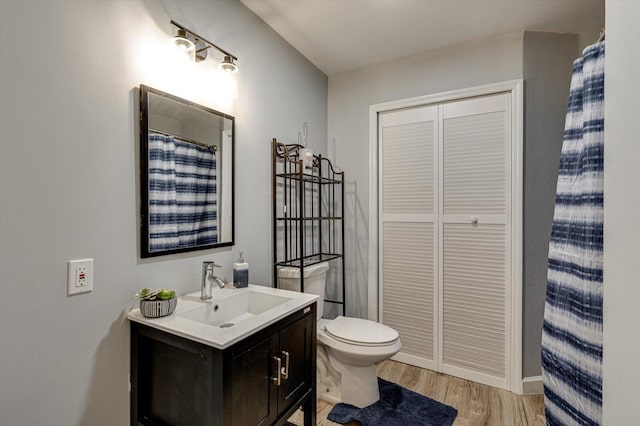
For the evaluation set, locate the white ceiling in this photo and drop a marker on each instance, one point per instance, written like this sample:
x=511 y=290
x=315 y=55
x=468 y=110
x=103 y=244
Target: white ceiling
x=343 y=35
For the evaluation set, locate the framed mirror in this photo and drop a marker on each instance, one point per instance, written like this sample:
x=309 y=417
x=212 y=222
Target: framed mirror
x=186 y=175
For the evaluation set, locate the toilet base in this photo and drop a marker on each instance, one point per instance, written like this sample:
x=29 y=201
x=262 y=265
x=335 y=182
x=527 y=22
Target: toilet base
x=328 y=379
x=348 y=384
x=329 y=394
x=359 y=386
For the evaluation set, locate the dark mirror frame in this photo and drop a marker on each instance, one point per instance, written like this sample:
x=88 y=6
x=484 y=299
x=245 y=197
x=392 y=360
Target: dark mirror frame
x=144 y=172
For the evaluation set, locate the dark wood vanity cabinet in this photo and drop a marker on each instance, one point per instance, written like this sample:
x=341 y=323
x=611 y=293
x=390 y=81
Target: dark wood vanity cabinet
x=261 y=380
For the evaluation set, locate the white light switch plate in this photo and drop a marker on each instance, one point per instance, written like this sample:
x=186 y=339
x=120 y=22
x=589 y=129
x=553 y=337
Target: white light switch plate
x=79 y=276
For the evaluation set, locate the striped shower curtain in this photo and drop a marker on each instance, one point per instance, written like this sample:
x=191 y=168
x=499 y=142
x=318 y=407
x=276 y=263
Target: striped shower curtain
x=572 y=331
x=182 y=194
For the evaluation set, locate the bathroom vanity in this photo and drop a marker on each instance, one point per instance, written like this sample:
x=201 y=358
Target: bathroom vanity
x=194 y=368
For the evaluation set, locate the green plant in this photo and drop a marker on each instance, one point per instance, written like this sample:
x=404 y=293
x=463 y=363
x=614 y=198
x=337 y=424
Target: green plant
x=158 y=294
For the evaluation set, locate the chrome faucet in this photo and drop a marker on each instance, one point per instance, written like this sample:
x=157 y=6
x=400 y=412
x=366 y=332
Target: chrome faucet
x=206 y=291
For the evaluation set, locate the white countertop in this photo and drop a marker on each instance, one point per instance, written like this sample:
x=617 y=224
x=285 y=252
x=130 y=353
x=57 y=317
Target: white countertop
x=215 y=336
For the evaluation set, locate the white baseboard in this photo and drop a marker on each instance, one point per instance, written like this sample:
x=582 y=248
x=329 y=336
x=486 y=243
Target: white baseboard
x=532 y=385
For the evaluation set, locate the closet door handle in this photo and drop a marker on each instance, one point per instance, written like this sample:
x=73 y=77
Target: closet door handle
x=474 y=220
x=278 y=361
x=285 y=369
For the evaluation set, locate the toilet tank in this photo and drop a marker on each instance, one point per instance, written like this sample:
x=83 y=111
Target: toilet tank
x=315 y=277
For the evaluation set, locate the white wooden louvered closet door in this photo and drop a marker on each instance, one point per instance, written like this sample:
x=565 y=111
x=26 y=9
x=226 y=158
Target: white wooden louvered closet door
x=408 y=229
x=444 y=235
x=475 y=238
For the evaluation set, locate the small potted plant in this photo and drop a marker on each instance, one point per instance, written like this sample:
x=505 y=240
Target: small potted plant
x=157 y=303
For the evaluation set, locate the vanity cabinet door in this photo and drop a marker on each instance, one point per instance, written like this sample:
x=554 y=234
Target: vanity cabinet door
x=254 y=396
x=258 y=398
x=296 y=344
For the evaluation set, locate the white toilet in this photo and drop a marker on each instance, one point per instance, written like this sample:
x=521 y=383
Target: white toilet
x=348 y=348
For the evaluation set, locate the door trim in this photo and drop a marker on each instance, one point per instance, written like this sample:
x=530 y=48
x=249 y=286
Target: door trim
x=515 y=88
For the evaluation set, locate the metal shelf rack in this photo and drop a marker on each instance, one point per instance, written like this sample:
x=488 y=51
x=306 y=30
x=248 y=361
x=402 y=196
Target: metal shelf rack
x=308 y=215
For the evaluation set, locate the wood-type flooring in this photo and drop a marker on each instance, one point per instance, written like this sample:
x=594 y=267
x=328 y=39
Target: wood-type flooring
x=477 y=404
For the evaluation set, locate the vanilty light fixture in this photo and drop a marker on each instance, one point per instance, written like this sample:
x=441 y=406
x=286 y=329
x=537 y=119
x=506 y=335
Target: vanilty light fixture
x=196 y=47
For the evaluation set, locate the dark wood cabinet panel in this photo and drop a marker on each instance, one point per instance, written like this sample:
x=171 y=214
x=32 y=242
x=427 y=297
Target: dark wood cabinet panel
x=296 y=342
x=176 y=381
x=252 y=371
x=175 y=387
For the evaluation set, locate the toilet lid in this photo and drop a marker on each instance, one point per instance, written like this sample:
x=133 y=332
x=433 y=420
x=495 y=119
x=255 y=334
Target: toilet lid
x=360 y=332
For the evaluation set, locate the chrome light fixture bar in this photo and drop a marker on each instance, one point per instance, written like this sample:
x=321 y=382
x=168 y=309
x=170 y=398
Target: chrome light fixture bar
x=190 y=41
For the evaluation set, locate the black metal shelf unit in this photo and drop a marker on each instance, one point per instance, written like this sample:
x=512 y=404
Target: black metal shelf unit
x=308 y=216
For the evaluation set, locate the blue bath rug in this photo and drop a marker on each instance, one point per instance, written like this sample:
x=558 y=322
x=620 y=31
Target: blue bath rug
x=397 y=407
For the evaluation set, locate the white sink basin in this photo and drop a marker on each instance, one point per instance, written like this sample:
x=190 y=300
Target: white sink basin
x=234 y=309
x=232 y=314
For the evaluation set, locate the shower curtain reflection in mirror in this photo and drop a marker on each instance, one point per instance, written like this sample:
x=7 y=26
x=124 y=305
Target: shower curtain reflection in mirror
x=182 y=194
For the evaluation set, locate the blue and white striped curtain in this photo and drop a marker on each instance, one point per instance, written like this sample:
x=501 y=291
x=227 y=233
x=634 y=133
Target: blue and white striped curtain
x=572 y=332
x=182 y=194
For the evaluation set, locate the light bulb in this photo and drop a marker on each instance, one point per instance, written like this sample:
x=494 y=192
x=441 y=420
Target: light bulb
x=185 y=45
x=228 y=65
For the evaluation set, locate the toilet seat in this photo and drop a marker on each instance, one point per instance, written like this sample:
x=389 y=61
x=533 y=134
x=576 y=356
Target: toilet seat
x=360 y=332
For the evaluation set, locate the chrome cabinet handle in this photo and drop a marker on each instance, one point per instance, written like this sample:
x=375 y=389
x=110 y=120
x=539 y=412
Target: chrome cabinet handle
x=285 y=369
x=276 y=380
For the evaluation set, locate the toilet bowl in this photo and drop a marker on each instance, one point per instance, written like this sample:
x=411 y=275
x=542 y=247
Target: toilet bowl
x=348 y=348
x=353 y=347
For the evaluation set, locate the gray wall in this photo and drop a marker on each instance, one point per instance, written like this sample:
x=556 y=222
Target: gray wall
x=547 y=63
x=68 y=182
x=351 y=94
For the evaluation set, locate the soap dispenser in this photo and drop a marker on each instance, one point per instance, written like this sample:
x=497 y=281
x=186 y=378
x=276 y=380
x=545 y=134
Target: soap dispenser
x=241 y=273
